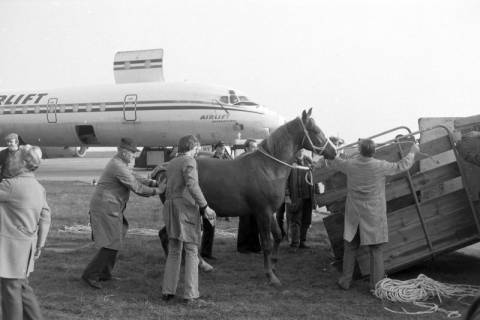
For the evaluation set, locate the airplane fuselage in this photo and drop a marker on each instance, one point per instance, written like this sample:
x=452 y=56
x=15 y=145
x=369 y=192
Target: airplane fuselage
x=154 y=114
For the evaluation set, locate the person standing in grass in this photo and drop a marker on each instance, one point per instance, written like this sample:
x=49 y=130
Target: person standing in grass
x=366 y=207
x=109 y=200
x=183 y=209
x=248 y=240
x=24 y=225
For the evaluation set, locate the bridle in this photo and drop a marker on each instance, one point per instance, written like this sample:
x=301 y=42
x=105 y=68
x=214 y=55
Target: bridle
x=309 y=175
x=314 y=147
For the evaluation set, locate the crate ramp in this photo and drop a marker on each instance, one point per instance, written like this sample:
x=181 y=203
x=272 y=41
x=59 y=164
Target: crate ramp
x=420 y=226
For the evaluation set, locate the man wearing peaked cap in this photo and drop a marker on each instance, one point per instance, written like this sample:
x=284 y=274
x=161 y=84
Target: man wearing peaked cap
x=128 y=144
x=109 y=200
x=10 y=161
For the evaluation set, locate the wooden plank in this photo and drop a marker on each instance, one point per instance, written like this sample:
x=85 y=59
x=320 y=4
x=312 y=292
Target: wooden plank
x=449 y=228
x=448 y=219
x=399 y=188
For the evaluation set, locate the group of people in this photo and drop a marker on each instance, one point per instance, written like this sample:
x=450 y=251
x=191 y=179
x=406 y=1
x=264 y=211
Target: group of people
x=186 y=213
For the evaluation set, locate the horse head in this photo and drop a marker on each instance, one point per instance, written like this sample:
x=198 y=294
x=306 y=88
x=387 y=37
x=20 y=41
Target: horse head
x=314 y=139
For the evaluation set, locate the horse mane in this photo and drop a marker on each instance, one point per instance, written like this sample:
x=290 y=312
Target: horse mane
x=276 y=141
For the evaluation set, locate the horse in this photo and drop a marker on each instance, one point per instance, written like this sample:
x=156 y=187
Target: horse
x=255 y=183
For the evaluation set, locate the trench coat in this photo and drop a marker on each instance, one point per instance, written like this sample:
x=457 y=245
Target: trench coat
x=183 y=197
x=24 y=224
x=366 y=207
x=109 y=200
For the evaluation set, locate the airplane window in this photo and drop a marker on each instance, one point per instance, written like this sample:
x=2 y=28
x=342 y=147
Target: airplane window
x=62 y=108
x=1 y=110
x=75 y=108
x=224 y=99
x=12 y=110
x=243 y=100
x=233 y=99
x=89 y=107
x=37 y=109
x=102 y=107
x=24 y=109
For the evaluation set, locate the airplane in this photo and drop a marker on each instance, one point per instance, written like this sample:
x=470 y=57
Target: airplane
x=140 y=105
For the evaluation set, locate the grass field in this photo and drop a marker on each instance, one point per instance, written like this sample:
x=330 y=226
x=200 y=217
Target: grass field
x=237 y=289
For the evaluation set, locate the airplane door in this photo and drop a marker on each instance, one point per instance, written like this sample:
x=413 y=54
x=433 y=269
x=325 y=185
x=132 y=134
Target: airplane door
x=52 y=110
x=130 y=107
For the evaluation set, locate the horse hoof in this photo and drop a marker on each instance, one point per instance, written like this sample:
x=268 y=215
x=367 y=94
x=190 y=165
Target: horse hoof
x=276 y=283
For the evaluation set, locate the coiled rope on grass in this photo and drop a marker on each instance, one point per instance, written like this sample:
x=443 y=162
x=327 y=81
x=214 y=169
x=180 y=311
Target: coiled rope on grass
x=418 y=290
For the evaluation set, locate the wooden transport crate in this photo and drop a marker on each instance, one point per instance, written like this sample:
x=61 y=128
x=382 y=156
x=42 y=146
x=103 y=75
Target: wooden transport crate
x=421 y=228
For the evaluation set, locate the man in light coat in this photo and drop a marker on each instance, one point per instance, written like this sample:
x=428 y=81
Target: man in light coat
x=24 y=225
x=366 y=208
x=184 y=207
x=109 y=225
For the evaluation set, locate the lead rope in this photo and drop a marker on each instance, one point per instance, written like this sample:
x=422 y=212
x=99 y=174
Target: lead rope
x=416 y=291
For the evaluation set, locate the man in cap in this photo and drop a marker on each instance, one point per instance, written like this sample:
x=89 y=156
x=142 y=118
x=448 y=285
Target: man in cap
x=10 y=161
x=220 y=151
x=109 y=225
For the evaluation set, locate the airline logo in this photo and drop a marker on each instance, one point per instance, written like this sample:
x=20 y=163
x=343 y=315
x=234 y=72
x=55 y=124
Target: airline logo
x=34 y=98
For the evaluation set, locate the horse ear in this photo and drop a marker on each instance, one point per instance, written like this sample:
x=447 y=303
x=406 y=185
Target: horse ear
x=306 y=115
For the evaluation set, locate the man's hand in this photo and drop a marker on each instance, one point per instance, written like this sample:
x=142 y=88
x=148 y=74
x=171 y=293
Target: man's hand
x=288 y=200
x=210 y=215
x=38 y=252
x=415 y=149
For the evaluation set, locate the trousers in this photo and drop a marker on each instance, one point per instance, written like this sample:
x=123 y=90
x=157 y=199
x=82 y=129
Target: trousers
x=207 y=238
x=101 y=266
x=300 y=221
x=172 y=269
x=18 y=300
x=377 y=268
x=248 y=237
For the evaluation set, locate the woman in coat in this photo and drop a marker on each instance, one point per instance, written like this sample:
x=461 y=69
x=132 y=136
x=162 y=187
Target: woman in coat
x=24 y=225
x=184 y=205
x=366 y=208
x=109 y=225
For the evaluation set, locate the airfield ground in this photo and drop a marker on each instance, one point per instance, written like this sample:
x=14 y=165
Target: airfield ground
x=237 y=289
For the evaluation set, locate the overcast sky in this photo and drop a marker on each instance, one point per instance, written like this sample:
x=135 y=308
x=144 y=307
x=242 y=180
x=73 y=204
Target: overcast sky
x=364 y=66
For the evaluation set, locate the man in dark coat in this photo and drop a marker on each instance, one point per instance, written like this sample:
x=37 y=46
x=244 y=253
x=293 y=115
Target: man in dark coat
x=248 y=237
x=10 y=161
x=299 y=202
x=109 y=225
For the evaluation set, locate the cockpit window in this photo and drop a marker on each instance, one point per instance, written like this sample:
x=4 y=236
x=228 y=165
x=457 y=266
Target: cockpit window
x=243 y=100
x=232 y=98
x=224 y=99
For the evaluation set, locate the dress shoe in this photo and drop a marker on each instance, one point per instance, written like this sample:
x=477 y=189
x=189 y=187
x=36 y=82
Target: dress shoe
x=110 y=279
x=167 y=297
x=342 y=284
x=204 y=266
x=196 y=302
x=92 y=282
x=303 y=246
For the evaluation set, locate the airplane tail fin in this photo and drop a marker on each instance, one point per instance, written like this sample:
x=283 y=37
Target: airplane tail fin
x=138 y=66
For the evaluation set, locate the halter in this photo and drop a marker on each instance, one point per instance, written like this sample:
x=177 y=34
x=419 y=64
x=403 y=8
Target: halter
x=309 y=174
x=321 y=149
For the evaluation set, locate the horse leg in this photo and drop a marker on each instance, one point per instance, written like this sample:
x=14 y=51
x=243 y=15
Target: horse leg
x=277 y=238
x=264 y=227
